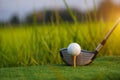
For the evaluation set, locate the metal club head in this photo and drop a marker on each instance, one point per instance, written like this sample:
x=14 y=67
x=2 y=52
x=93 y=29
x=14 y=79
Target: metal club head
x=84 y=58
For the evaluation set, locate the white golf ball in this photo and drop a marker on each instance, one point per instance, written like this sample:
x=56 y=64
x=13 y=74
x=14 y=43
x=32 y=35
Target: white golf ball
x=74 y=49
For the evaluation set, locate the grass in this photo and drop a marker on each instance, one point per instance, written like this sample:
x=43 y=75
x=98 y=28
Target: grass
x=103 y=68
x=28 y=45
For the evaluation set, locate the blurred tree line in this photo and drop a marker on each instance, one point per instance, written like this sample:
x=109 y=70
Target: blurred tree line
x=106 y=11
x=54 y=16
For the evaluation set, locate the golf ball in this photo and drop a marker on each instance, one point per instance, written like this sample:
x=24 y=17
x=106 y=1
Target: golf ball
x=74 y=49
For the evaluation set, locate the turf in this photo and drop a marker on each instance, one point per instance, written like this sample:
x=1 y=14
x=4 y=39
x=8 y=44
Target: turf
x=102 y=68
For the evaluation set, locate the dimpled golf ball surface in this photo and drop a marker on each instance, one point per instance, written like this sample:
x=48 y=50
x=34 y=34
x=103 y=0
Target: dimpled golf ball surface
x=74 y=49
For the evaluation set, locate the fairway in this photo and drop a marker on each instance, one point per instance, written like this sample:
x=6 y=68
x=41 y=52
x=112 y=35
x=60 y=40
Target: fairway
x=103 y=68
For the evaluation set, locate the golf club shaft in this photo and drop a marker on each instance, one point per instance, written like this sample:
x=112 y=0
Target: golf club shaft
x=107 y=36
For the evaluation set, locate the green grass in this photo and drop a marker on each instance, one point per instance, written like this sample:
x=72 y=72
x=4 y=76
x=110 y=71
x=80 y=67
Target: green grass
x=30 y=45
x=103 y=68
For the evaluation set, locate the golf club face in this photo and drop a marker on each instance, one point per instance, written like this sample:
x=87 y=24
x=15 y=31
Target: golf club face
x=84 y=58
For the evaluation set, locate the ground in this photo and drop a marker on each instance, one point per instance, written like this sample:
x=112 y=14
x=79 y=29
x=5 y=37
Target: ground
x=102 y=68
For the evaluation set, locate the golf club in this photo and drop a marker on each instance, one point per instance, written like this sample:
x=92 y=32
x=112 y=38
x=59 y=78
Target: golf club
x=86 y=57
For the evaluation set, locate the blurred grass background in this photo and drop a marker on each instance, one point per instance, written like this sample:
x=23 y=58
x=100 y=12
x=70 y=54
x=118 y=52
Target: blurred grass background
x=27 y=45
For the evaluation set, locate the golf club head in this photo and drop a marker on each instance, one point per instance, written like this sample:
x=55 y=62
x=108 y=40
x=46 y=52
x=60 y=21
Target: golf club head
x=84 y=58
